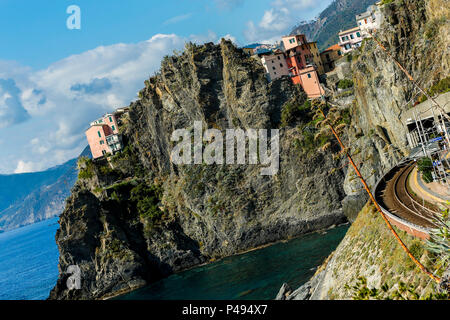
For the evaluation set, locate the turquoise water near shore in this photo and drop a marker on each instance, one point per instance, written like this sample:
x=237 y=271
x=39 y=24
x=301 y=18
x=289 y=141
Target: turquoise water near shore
x=257 y=274
x=29 y=261
x=29 y=268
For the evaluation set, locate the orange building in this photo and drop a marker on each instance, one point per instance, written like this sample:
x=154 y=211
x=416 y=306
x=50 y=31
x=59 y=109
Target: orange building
x=303 y=62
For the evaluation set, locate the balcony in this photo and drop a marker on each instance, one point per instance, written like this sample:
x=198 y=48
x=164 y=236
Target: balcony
x=114 y=141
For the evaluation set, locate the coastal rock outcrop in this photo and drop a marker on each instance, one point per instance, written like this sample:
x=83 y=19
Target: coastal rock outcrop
x=139 y=217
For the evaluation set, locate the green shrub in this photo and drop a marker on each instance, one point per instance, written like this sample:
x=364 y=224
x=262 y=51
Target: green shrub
x=403 y=291
x=345 y=84
x=121 y=191
x=86 y=168
x=442 y=86
x=147 y=201
x=346 y=116
x=292 y=112
x=425 y=166
x=432 y=27
x=106 y=170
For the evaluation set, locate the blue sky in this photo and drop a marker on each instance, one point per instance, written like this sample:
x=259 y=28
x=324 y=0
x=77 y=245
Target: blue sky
x=53 y=80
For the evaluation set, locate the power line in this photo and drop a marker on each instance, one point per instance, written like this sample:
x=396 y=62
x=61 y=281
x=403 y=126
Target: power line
x=409 y=76
x=372 y=198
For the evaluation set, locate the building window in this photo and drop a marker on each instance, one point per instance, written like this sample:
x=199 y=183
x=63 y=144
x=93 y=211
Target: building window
x=351 y=36
x=278 y=57
x=358 y=35
x=281 y=65
x=273 y=68
x=113 y=128
x=365 y=21
x=360 y=23
x=102 y=142
x=339 y=52
x=343 y=38
x=309 y=75
x=99 y=134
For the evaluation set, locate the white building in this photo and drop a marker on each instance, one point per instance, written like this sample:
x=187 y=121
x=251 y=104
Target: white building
x=369 y=21
x=275 y=65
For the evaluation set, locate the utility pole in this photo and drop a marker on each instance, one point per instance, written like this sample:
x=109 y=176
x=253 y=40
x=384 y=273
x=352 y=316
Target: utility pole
x=422 y=138
x=420 y=135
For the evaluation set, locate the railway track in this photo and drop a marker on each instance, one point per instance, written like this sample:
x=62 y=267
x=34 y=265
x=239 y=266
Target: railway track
x=399 y=201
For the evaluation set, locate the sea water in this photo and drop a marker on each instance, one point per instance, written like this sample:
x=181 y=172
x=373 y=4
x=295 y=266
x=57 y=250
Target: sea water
x=29 y=261
x=257 y=274
x=29 y=268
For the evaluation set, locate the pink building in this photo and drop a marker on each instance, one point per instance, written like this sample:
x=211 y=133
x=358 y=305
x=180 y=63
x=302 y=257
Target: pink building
x=291 y=42
x=103 y=136
x=309 y=80
x=110 y=120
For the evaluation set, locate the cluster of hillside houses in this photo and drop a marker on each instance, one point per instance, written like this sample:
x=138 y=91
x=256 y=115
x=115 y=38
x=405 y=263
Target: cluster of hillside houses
x=301 y=60
x=294 y=56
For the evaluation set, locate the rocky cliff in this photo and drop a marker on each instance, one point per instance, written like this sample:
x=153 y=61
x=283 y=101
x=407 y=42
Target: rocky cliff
x=139 y=217
x=416 y=33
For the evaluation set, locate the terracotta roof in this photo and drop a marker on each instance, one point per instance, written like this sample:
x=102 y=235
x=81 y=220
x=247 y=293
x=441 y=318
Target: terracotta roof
x=333 y=48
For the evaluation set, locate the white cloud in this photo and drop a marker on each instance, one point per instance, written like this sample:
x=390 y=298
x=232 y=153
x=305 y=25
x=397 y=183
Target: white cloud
x=279 y=19
x=231 y=38
x=177 y=19
x=62 y=99
x=23 y=167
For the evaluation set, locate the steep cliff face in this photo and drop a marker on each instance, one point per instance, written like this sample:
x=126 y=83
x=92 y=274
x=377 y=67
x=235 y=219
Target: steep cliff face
x=416 y=33
x=141 y=217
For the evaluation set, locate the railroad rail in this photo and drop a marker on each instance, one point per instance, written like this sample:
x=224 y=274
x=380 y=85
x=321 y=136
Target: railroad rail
x=400 y=206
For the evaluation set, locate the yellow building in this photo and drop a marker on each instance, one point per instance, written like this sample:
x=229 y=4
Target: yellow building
x=315 y=55
x=329 y=56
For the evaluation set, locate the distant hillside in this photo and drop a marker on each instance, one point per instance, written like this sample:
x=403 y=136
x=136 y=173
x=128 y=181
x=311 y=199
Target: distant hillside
x=339 y=15
x=31 y=197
